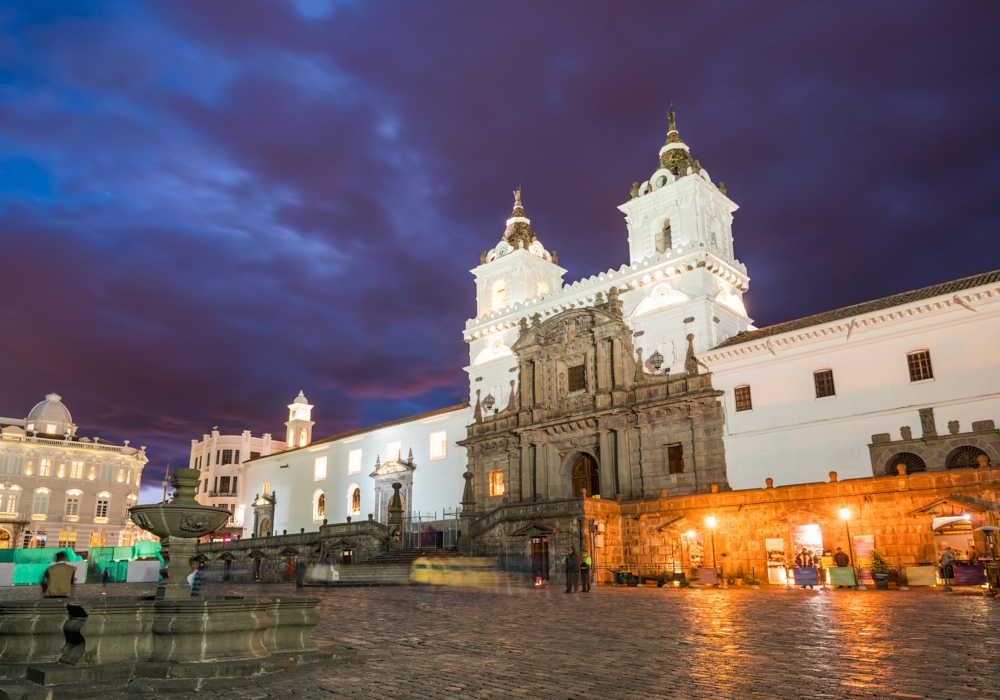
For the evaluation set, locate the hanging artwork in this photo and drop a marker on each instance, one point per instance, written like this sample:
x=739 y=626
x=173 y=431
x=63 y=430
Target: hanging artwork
x=863 y=546
x=776 y=560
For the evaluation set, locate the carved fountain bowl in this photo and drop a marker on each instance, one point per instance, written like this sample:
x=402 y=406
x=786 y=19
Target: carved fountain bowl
x=172 y=520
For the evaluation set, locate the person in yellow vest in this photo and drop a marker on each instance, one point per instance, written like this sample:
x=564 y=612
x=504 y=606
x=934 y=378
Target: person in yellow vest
x=585 y=563
x=58 y=579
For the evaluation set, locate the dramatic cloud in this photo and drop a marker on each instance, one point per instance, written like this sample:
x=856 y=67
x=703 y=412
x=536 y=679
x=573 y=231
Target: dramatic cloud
x=205 y=206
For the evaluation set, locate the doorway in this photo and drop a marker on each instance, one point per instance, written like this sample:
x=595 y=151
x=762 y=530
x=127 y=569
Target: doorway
x=585 y=476
x=540 y=556
x=347 y=556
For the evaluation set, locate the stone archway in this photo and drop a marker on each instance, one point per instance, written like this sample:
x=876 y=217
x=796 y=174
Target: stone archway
x=586 y=475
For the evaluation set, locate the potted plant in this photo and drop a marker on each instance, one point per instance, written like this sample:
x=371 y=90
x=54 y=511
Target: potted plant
x=880 y=570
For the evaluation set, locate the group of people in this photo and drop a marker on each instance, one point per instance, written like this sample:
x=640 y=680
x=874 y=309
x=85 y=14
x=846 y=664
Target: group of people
x=60 y=576
x=577 y=570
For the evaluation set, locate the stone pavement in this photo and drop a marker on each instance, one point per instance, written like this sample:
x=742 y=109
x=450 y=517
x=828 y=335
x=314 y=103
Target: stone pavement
x=640 y=643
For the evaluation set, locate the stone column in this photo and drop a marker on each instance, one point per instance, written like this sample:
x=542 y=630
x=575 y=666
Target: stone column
x=467 y=516
x=177 y=553
x=396 y=514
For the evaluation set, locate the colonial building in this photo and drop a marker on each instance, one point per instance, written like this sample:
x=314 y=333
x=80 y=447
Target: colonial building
x=61 y=489
x=222 y=460
x=647 y=389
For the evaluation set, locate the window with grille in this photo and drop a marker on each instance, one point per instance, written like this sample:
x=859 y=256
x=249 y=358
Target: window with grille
x=98 y=539
x=496 y=482
x=675 y=458
x=743 y=402
x=920 y=365
x=227 y=456
x=41 y=504
x=102 y=508
x=73 y=505
x=224 y=484
x=236 y=457
x=577 y=378
x=67 y=539
x=912 y=462
x=965 y=456
x=824 y=383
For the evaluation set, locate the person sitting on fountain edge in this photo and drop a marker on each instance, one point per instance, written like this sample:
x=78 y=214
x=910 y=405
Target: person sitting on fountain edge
x=194 y=578
x=59 y=578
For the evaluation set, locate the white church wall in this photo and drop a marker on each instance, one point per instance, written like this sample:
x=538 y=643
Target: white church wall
x=793 y=437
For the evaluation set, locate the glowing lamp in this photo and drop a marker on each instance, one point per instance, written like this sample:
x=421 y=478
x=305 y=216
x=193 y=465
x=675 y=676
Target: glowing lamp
x=690 y=535
x=710 y=521
x=967 y=516
x=845 y=513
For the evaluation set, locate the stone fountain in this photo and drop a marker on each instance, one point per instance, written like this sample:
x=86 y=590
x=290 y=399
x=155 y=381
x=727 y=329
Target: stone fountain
x=170 y=642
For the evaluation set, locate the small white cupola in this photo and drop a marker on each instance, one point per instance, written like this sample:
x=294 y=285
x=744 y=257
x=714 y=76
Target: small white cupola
x=300 y=423
x=50 y=417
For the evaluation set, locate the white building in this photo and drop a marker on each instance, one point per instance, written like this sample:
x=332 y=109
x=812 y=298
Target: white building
x=222 y=460
x=59 y=489
x=788 y=418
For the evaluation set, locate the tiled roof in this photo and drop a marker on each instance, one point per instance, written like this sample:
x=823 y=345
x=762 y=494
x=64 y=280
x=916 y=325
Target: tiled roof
x=867 y=307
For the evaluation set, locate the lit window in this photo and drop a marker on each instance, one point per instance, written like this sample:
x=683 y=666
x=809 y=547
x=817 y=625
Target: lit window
x=393 y=450
x=543 y=287
x=664 y=238
x=675 y=458
x=126 y=540
x=919 y=364
x=41 y=503
x=67 y=539
x=50 y=428
x=98 y=539
x=824 y=383
x=320 y=506
x=76 y=469
x=11 y=503
x=73 y=505
x=496 y=482
x=439 y=444
x=499 y=300
x=291 y=437
x=102 y=508
x=319 y=471
x=303 y=438
x=354 y=462
x=743 y=402
x=356 y=501
x=45 y=468
x=267 y=487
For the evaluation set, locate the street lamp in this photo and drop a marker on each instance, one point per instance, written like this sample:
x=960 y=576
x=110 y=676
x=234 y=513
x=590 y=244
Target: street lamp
x=656 y=359
x=488 y=402
x=710 y=521
x=845 y=515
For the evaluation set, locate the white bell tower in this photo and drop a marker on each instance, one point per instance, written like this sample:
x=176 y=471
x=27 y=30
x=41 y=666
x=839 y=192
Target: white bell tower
x=299 y=422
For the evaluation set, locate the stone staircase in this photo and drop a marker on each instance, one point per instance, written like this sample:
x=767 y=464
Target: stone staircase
x=385 y=569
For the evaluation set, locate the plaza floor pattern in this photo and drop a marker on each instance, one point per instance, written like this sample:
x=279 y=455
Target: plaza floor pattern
x=641 y=643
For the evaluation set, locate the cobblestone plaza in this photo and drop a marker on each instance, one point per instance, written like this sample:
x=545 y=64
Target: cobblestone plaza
x=631 y=643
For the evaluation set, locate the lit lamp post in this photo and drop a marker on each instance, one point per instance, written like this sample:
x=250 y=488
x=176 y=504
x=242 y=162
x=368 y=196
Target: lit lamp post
x=710 y=521
x=845 y=515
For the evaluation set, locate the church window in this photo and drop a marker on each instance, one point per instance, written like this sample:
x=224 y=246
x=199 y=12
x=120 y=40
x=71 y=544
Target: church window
x=675 y=458
x=577 y=378
x=965 y=456
x=76 y=469
x=354 y=462
x=439 y=444
x=496 y=482
x=291 y=438
x=393 y=450
x=919 y=363
x=320 y=506
x=319 y=469
x=40 y=506
x=824 y=383
x=356 y=501
x=499 y=300
x=543 y=287
x=303 y=438
x=227 y=457
x=743 y=402
x=909 y=460
x=266 y=488
x=45 y=468
x=664 y=239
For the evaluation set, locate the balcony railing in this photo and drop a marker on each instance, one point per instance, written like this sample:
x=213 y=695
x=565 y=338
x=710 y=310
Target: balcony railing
x=223 y=494
x=9 y=516
x=71 y=518
x=74 y=444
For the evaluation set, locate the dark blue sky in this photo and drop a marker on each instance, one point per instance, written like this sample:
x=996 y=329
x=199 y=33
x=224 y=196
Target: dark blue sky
x=207 y=205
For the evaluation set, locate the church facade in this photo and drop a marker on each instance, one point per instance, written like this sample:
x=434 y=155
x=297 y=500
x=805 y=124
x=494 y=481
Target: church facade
x=649 y=382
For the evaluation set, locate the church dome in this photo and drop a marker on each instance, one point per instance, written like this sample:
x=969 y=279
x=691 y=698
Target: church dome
x=50 y=416
x=301 y=398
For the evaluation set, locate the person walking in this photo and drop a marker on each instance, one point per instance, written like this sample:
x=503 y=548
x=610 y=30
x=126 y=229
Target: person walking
x=194 y=578
x=300 y=573
x=947 y=562
x=585 y=563
x=572 y=562
x=58 y=580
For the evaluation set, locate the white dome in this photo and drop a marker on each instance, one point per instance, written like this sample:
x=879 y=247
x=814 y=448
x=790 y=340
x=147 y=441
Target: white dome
x=51 y=413
x=301 y=398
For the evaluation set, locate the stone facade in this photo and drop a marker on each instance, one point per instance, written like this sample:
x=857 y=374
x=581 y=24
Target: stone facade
x=933 y=451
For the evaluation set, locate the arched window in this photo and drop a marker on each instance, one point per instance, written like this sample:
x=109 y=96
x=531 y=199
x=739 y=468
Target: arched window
x=543 y=287
x=356 y=502
x=303 y=438
x=965 y=456
x=912 y=463
x=265 y=528
x=291 y=438
x=319 y=506
x=664 y=239
x=499 y=299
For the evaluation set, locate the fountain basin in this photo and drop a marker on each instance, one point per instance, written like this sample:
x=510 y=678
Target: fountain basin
x=171 y=520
